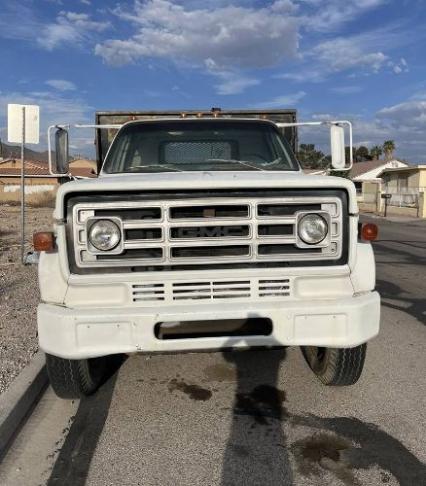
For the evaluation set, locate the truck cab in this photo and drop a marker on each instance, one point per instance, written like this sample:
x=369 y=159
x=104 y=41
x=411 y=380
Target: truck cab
x=203 y=233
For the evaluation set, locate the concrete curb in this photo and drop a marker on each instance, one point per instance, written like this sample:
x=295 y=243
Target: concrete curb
x=19 y=399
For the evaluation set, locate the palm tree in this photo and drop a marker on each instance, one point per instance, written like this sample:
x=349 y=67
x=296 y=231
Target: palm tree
x=389 y=148
x=376 y=152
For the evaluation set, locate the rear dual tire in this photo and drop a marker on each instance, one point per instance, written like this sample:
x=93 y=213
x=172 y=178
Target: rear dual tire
x=76 y=378
x=336 y=366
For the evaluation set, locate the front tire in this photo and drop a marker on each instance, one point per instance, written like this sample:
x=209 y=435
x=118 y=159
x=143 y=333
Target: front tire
x=336 y=366
x=75 y=378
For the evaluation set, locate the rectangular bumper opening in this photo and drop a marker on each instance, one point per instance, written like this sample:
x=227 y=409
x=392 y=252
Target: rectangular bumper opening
x=255 y=326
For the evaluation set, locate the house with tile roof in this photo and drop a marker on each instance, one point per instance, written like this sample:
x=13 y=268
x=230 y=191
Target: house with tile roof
x=37 y=175
x=371 y=170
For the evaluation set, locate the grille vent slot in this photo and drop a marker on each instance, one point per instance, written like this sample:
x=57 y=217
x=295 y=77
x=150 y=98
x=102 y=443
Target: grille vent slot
x=211 y=290
x=210 y=211
x=274 y=288
x=148 y=292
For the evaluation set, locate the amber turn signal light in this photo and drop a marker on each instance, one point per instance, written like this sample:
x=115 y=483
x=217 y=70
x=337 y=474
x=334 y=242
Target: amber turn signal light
x=369 y=231
x=43 y=241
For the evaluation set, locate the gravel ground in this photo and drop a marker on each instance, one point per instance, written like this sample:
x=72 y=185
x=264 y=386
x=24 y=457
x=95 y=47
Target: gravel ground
x=19 y=293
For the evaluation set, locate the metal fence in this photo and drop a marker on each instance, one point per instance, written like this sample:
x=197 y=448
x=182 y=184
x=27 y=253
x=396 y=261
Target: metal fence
x=405 y=198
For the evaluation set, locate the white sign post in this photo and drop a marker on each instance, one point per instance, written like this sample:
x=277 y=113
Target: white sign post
x=23 y=126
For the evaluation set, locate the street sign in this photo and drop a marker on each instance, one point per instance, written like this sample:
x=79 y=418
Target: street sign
x=15 y=121
x=386 y=196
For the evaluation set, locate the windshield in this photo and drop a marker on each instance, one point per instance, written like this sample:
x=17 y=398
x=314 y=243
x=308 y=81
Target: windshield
x=194 y=145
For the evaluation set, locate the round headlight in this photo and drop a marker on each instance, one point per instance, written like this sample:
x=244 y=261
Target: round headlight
x=312 y=228
x=104 y=235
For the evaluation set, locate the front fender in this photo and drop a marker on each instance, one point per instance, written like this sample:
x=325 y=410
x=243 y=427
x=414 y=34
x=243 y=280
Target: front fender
x=53 y=284
x=363 y=273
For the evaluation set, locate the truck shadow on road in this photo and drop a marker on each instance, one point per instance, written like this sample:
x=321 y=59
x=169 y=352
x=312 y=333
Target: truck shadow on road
x=73 y=462
x=400 y=260
x=395 y=255
x=395 y=298
x=413 y=244
x=258 y=449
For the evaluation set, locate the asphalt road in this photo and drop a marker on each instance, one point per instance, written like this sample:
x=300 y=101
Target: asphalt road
x=252 y=417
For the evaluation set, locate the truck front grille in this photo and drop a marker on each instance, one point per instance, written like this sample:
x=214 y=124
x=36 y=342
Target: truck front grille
x=182 y=291
x=172 y=234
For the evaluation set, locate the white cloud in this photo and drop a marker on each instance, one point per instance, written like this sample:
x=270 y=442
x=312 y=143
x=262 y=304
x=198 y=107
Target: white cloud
x=18 y=22
x=353 y=54
x=83 y=21
x=410 y=114
x=234 y=83
x=69 y=28
x=231 y=81
x=314 y=74
x=347 y=53
x=61 y=84
x=232 y=36
x=239 y=37
x=420 y=95
x=399 y=67
x=331 y=14
x=21 y=22
x=284 y=101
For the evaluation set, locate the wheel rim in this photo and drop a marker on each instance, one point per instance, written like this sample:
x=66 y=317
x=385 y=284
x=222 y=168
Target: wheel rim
x=316 y=357
x=96 y=367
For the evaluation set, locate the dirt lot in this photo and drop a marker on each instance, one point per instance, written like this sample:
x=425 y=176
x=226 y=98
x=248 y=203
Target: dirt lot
x=19 y=293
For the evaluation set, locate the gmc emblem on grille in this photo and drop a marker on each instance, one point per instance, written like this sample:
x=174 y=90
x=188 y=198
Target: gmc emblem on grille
x=210 y=232
x=209 y=212
x=214 y=232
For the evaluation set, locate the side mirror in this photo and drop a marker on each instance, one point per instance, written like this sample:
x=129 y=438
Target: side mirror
x=337 y=143
x=61 y=151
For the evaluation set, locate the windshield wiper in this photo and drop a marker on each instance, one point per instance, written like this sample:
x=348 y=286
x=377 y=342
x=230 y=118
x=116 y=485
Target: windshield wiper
x=157 y=165
x=276 y=161
x=240 y=162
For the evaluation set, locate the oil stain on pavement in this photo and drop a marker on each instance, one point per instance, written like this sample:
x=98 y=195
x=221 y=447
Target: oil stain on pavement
x=194 y=392
x=321 y=452
x=374 y=447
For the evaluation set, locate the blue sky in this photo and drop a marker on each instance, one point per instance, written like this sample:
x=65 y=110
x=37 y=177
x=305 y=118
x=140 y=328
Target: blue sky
x=363 y=60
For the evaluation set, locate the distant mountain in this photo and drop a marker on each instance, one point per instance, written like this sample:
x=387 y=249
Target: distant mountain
x=14 y=152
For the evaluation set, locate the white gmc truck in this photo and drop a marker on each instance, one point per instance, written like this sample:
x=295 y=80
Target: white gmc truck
x=201 y=232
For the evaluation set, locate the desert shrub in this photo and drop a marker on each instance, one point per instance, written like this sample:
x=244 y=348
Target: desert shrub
x=45 y=199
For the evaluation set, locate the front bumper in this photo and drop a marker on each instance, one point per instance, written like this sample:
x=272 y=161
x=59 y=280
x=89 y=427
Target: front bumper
x=77 y=333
